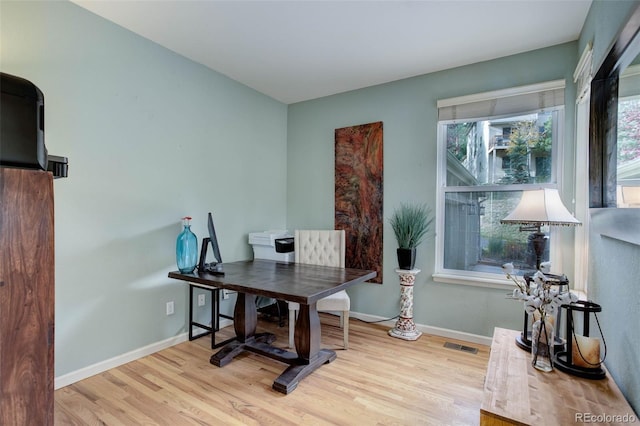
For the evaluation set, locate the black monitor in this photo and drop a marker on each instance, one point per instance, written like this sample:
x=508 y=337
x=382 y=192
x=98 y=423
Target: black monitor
x=214 y=268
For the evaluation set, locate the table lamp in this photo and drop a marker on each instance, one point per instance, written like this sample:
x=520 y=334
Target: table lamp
x=538 y=208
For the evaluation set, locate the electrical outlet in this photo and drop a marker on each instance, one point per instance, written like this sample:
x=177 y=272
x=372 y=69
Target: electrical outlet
x=170 y=308
x=201 y=300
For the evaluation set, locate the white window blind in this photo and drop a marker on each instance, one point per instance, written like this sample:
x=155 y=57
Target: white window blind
x=498 y=103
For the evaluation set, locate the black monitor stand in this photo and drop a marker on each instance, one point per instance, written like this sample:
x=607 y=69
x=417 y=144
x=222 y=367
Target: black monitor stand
x=214 y=268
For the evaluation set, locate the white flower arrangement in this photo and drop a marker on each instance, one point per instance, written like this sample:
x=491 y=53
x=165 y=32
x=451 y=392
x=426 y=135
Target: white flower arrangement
x=539 y=296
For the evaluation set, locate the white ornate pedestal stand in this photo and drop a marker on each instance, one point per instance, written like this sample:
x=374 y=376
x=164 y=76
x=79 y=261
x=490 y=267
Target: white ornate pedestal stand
x=405 y=327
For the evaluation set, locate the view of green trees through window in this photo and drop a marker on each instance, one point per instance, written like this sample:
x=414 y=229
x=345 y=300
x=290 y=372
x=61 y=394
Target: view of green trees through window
x=489 y=162
x=628 y=139
x=528 y=140
x=628 y=131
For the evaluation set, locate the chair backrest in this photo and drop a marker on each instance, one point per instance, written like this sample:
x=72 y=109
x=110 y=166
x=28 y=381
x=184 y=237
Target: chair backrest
x=324 y=247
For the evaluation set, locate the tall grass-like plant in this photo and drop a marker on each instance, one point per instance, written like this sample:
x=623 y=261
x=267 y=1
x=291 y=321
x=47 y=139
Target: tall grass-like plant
x=410 y=224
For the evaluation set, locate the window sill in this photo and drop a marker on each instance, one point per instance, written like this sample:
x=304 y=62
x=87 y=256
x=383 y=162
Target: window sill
x=581 y=294
x=474 y=281
x=487 y=282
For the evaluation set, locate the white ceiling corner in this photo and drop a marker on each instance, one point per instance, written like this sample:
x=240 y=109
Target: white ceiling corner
x=299 y=50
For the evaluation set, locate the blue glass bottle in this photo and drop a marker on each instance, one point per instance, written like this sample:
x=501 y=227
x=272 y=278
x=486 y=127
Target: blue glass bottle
x=186 y=248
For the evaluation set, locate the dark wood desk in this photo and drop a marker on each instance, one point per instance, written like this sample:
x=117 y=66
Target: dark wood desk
x=305 y=284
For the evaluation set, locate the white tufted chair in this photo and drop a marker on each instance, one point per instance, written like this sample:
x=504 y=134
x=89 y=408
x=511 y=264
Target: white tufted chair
x=325 y=248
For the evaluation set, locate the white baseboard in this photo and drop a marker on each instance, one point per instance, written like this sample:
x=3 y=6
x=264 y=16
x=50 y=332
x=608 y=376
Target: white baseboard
x=108 y=364
x=102 y=366
x=427 y=329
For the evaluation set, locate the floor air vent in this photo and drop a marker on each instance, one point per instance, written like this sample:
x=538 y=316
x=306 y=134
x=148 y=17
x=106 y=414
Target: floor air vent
x=462 y=348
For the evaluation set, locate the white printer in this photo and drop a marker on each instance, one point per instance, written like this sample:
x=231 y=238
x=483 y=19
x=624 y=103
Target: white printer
x=272 y=245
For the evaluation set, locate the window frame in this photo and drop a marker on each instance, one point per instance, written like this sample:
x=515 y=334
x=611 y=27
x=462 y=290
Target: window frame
x=582 y=77
x=603 y=114
x=485 y=279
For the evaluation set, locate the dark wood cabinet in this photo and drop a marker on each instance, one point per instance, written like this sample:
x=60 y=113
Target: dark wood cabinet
x=26 y=297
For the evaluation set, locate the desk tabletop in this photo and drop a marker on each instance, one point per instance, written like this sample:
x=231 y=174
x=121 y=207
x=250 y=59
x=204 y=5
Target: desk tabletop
x=293 y=282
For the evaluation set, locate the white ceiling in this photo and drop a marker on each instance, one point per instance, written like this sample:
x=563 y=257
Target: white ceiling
x=299 y=50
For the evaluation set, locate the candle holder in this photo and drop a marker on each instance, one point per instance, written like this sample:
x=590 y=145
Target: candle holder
x=579 y=360
x=523 y=341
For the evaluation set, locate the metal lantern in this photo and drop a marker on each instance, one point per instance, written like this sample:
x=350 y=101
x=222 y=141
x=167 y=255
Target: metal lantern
x=582 y=355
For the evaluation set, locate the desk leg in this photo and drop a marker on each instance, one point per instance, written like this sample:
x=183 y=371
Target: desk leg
x=310 y=356
x=245 y=316
x=245 y=319
x=307 y=332
x=288 y=381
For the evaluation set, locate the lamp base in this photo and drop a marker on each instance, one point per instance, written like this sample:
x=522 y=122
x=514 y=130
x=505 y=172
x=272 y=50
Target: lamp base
x=560 y=361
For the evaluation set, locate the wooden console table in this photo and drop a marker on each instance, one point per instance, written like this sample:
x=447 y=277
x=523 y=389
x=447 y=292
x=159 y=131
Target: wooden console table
x=517 y=394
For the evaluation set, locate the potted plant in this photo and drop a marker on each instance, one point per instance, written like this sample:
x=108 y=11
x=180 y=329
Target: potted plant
x=410 y=223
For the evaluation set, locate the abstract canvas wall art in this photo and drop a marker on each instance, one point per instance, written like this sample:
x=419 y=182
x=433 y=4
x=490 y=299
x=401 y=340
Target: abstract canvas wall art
x=358 y=194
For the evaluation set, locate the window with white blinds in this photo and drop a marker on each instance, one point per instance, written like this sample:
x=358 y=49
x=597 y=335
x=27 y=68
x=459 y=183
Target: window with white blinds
x=503 y=102
x=491 y=147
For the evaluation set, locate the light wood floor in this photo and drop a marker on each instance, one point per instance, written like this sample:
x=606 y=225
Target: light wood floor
x=380 y=380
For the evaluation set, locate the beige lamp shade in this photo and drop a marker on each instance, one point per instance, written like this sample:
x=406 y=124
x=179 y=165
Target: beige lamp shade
x=541 y=207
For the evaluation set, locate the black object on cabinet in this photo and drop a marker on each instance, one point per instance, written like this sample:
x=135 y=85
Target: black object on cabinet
x=22 y=128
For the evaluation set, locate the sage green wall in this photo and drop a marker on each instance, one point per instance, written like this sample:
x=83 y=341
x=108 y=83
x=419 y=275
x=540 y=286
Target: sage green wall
x=408 y=111
x=151 y=137
x=614 y=269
